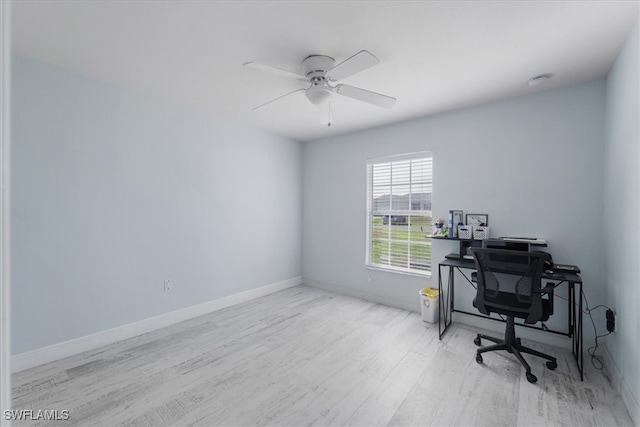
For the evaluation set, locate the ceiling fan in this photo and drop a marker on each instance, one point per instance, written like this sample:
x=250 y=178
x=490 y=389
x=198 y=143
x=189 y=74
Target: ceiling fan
x=320 y=71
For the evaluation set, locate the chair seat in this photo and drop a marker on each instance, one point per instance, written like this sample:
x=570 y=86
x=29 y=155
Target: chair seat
x=508 y=299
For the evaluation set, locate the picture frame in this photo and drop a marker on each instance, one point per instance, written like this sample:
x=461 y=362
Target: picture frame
x=477 y=219
x=455 y=218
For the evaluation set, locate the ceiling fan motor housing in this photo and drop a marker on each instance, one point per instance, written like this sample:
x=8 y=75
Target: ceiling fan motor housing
x=316 y=66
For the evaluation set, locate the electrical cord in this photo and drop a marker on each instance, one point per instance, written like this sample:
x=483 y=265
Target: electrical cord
x=596 y=362
x=592 y=350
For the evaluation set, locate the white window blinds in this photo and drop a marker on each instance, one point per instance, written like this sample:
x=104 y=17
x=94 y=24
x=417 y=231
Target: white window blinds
x=399 y=213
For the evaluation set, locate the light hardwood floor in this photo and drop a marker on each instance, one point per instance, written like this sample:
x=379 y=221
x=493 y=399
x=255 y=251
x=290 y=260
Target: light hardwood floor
x=304 y=356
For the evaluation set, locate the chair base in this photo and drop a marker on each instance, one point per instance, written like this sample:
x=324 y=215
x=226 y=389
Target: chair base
x=513 y=345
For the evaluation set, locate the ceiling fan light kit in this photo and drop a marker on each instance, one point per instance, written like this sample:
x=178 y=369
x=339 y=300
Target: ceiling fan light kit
x=319 y=71
x=318 y=94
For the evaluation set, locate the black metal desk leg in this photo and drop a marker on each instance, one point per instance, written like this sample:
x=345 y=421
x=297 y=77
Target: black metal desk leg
x=451 y=290
x=571 y=322
x=575 y=323
x=580 y=358
x=444 y=312
x=440 y=304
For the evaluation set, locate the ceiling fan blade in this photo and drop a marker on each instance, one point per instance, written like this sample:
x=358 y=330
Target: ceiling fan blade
x=259 y=107
x=366 y=96
x=274 y=70
x=358 y=62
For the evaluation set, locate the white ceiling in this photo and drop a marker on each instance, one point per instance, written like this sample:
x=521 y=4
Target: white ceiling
x=434 y=56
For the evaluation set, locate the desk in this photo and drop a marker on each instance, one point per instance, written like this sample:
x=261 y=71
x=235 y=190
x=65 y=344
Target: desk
x=573 y=280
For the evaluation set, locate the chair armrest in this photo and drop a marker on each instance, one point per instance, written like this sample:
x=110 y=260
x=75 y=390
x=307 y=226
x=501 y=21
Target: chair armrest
x=549 y=291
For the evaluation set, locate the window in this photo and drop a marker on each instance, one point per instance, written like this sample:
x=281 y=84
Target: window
x=399 y=213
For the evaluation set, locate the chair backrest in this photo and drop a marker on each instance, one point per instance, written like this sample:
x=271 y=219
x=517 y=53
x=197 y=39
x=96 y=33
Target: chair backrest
x=509 y=282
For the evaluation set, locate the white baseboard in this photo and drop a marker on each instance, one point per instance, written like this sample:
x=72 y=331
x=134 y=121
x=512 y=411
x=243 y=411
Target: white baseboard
x=365 y=295
x=40 y=356
x=621 y=386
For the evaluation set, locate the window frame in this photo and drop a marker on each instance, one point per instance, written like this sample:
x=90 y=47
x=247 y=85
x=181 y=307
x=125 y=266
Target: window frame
x=371 y=163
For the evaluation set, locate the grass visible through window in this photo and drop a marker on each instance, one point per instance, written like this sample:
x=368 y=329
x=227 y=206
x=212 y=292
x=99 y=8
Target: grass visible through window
x=395 y=245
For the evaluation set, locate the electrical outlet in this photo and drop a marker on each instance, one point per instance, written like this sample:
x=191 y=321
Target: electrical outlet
x=611 y=321
x=369 y=279
x=168 y=285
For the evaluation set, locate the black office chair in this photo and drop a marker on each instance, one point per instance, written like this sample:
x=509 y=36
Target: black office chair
x=510 y=283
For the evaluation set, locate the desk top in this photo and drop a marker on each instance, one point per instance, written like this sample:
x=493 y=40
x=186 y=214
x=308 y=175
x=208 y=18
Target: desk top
x=532 y=242
x=556 y=275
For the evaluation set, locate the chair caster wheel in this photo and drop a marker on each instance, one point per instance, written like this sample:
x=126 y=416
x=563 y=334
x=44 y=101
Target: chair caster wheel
x=552 y=365
x=531 y=378
x=477 y=341
x=479 y=358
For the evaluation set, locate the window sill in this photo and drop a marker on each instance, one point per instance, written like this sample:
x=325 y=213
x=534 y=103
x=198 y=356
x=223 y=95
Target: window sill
x=426 y=274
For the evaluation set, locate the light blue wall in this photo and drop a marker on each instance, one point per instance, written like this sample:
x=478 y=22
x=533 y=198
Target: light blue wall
x=113 y=192
x=622 y=207
x=534 y=164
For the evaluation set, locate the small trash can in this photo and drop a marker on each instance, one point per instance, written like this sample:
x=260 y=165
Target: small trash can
x=429 y=304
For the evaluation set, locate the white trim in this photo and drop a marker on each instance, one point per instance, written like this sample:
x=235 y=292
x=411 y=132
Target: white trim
x=64 y=349
x=413 y=305
x=398 y=270
x=5 y=199
x=398 y=157
x=621 y=386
